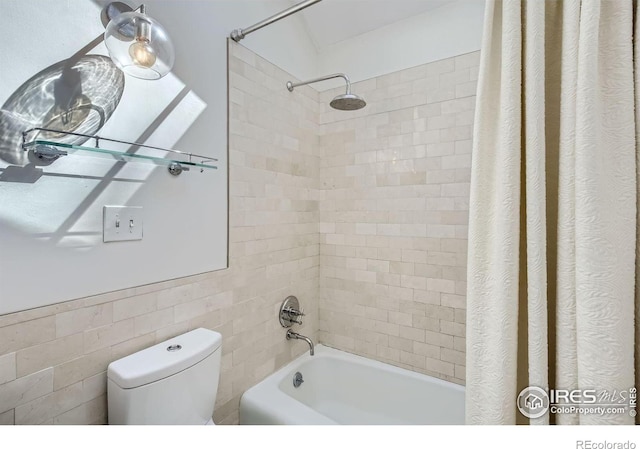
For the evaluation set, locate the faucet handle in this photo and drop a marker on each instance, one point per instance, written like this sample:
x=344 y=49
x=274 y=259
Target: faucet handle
x=293 y=316
x=290 y=312
x=294 y=312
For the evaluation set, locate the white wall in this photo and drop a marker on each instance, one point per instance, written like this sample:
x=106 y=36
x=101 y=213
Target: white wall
x=444 y=32
x=51 y=246
x=285 y=43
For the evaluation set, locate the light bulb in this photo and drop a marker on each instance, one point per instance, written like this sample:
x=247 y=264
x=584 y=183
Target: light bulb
x=142 y=54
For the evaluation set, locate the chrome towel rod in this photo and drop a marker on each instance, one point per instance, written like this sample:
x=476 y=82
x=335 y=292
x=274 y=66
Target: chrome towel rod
x=241 y=33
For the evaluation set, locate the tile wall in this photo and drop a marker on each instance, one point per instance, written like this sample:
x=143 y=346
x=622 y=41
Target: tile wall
x=394 y=180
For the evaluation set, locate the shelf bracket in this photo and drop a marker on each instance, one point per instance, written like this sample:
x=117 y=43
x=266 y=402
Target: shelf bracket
x=176 y=168
x=48 y=153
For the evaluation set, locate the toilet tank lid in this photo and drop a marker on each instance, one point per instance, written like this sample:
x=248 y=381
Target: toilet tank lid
x=164 y=359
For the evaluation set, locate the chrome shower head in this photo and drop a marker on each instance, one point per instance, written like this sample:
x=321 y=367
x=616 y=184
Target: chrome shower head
x=344 y=102
x=348 y=102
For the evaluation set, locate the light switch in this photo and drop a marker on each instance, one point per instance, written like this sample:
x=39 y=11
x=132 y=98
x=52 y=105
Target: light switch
x=121 y=223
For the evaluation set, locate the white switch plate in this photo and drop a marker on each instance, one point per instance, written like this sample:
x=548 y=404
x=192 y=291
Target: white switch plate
x=121 y=223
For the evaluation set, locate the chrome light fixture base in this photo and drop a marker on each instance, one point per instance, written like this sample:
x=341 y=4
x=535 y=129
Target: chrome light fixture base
x=113 y=10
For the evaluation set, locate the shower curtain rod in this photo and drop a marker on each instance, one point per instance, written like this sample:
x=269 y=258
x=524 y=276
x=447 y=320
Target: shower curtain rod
x=241 y=33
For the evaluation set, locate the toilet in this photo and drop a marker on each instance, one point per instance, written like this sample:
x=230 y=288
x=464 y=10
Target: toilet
x=174 y=382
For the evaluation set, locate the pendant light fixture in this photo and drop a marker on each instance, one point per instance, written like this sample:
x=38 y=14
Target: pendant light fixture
x=138 y=44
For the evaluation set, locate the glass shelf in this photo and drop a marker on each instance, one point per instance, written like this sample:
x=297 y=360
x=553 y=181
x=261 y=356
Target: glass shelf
x=50 y=150
x=44 y=148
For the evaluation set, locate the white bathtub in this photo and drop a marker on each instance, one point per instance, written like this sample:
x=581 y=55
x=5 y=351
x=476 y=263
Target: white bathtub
x=342 y=388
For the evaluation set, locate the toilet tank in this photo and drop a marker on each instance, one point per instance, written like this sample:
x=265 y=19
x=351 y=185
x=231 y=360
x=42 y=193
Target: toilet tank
x=174 y=382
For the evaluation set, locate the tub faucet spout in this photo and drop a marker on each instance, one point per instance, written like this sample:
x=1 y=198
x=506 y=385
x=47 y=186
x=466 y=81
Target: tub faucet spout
x=293 y=335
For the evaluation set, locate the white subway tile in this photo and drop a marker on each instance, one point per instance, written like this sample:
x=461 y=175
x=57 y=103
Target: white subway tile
x=81 y=368
x=25 y=389
x=47 y=407
x=7 y=368
x=7 y=418
x=36 y=358
x=80 y=320
x=440 y=367
x=134 y=306
x=28 y=333
x=109 y=335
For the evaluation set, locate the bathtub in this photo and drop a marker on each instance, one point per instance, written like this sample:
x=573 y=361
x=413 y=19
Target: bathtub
x=342 y=388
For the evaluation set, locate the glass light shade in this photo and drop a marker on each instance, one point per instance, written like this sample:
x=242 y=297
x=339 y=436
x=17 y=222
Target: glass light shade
x=139 y=46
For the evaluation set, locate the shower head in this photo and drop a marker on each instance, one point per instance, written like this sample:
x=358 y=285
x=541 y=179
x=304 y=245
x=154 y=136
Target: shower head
x=348 y=102
x=344 y=102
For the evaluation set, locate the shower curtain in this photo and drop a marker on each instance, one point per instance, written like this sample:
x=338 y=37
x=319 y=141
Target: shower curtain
x=553 y=227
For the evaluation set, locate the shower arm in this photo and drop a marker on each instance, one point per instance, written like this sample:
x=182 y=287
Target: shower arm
x=292 y=86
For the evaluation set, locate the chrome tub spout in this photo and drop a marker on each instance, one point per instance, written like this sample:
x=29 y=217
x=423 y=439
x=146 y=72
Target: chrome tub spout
x=295 y=336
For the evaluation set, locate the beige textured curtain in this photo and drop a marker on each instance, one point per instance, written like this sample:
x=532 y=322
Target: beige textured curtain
x=553 y=221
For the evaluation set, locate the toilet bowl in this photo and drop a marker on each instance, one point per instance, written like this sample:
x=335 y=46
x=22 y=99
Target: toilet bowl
x=174 y=382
